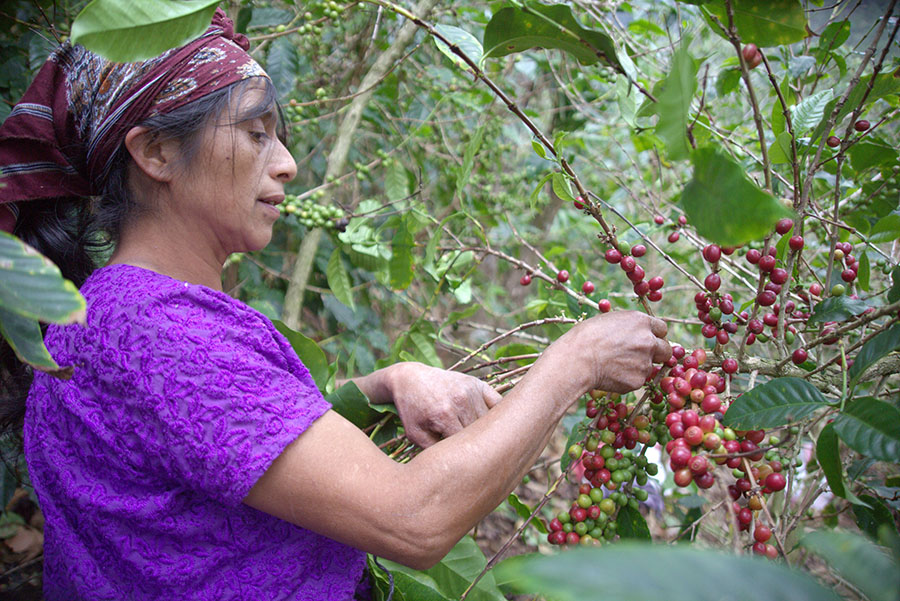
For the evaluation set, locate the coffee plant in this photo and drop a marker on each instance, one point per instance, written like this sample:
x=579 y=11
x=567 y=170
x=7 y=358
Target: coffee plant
x=474 y=178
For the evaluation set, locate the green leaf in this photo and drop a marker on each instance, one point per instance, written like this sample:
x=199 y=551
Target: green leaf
x=353 y=405
x=339 y=279
x=871 y=514
x=401 y=264
x=810 y=111
x=282 y=65
x=834 y=36
x=24 y=337
x=886 y=229
x=454 y=573
x=723 y=205
x=620 y=573
x=464 y=41
x=469 y=155
x=675 y=103
x=770 y=23
x=524 y=512
x=626 y=98
x=309 y=352
x=538 y=189
x=728 y=81
x=829 y=458
x=530 y=25
x=865 y=270
x=396 y=181
x=539 y=149
x=894 y=292
x=425 y=351
x=561 y=187
x=871 y=427
x=876 y=348
x=780 y=150
x=884 y=85
x=133 y=31
x=862 y=563
x=867 y=154
x=631 y=524
x=776 y=403
x=33 y=287
x=837 y=308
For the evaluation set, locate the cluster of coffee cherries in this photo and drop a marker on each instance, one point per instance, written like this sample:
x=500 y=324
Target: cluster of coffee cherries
x=625 y=256
x=311 y=214
x=860 y=126
x=698 y=442
x=611 y=469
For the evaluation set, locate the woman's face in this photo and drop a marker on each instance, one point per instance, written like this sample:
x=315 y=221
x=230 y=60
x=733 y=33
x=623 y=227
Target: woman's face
x=230 y=194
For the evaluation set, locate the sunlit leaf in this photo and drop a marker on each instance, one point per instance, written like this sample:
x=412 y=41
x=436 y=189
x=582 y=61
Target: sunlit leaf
x=810 y=111
x=530 y=25
x=309 y=352
x=464 y=41
x=110 y=27
x=339 y=279
x=24 y=336
x=674 y=103
x=33 y=287
x=770 y=23
x=723 y=205
x=829 y=458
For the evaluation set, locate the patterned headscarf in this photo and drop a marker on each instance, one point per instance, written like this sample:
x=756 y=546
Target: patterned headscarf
x=59 y=140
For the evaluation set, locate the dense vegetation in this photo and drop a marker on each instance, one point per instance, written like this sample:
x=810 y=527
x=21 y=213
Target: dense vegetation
x=474 y=178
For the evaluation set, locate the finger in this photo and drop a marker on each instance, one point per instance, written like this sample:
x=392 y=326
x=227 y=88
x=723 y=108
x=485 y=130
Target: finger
x=451 y=427
x=421 y=437
x=662 y=352
x=491 y=396
x=658 y=327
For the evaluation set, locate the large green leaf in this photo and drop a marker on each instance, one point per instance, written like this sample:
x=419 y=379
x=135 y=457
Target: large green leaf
x=467 y=43
x=33 y=287
x=133 y=31
x=723 y=205
x=776 y=403
x=829 y=458
x=862 y=563
x=872 y=153
x=455 y=572
x=339 y=279
x=282 y=65
x=309 y=352
x=886 y=229
x=631 y=571
x=871 y=427
x=25 y=338
x=876 y=348
x=533 y=25
x=675 y=103
x=769 y=23
x=631 y=524
x=837 y=308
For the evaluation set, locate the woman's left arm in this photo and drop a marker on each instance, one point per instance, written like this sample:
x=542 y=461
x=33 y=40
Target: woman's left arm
x=433 y=403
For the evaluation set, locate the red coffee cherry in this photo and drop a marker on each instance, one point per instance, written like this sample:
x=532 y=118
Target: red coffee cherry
x=833 y=141
x=525 y=280
x=798 y=356
x=861 y=125
x=562 y=277
x=587 y=287
x=784 y=226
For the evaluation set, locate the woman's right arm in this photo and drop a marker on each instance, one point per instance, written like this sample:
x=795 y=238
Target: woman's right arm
x=333 y=480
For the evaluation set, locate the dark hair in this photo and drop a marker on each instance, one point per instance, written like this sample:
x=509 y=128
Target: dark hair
x=75 y=233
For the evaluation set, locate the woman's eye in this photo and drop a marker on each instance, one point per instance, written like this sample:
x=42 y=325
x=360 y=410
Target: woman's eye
x=259 y=136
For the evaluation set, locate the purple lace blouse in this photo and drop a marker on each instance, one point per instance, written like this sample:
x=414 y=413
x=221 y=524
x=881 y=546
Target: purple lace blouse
x=181 y=399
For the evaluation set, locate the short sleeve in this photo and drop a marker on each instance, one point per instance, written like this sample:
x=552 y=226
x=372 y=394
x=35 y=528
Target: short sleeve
x=196 y=388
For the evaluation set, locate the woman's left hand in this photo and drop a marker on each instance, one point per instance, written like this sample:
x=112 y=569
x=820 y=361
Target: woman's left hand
x=433 y=403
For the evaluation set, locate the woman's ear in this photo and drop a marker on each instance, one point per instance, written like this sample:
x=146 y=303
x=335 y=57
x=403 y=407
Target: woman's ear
x=152 y=155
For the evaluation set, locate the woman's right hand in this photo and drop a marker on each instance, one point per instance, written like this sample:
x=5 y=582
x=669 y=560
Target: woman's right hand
x=613 y=351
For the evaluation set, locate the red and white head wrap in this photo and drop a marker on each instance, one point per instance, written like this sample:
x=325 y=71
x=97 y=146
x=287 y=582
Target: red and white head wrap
x=59 y=140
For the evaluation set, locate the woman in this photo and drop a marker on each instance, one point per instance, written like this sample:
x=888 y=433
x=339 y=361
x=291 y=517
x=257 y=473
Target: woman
x=191 y=456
